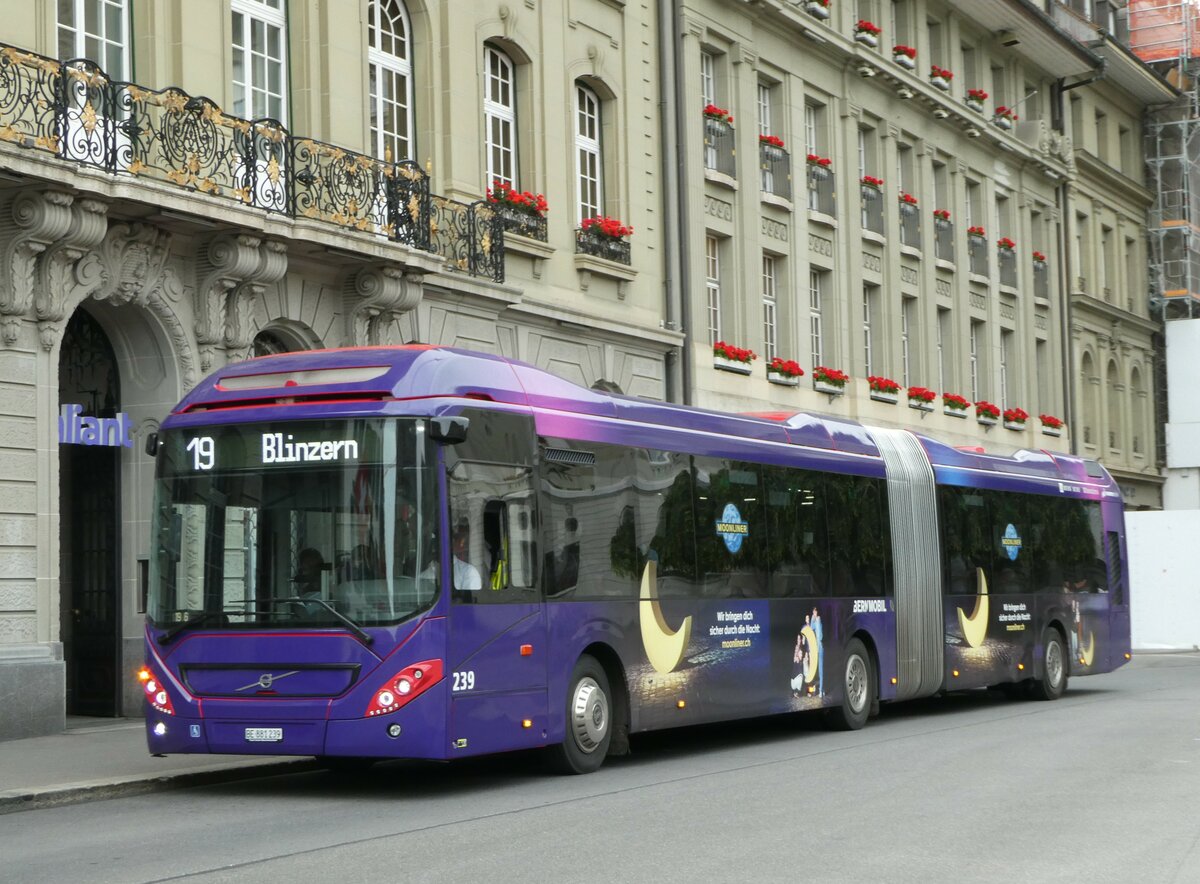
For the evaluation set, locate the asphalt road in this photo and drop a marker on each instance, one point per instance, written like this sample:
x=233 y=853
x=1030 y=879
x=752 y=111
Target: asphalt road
x=1101 y=785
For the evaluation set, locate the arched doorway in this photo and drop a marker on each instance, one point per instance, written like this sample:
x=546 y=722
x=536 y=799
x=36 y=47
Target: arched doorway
x=91 y=432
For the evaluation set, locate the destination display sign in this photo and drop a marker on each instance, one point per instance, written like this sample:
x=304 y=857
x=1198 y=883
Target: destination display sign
x=259 y=446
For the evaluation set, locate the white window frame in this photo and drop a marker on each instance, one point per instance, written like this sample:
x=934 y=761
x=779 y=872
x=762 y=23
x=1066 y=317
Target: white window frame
x=943 y=317
x=708 y=78
x=388 y=66
x=97 y=46
x=770 y=306
x=500 y=143
x=589 y=179
x=767 y=182
x=253 y=92
x=907 y=305
x=868 y=295
x=1005 y=347
x=815 y=286
x=712 y=273
x=974 y=349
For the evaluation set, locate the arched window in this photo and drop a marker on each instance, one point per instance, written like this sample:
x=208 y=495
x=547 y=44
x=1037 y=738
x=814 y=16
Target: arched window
x=588 y=181
x=389 y=57
x=1138 y=399
x=499 y=117
x=1112 y=383
x=1090 y=397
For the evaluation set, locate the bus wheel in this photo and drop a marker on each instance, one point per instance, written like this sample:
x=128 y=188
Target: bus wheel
x=589 y=718
x=1053 y=682
x=858 y=689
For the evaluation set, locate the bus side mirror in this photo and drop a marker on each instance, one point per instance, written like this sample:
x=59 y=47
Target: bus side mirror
x=450 y=430
x=152 y=445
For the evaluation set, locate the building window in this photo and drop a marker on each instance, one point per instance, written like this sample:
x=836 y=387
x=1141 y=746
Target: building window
x=816 y=285
x=868 y=309
x=1005 y=362
x=975 y=368
x=587 y=153
x=708 y=78
x=770 y=307
x=499 y=117
x=389 y=62
x=943 y=335
x=259 y=59
x=712 y=274
x=96 y=30
x=908 y=308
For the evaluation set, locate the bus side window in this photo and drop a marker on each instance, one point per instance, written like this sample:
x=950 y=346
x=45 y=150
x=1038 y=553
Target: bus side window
x=492 y=511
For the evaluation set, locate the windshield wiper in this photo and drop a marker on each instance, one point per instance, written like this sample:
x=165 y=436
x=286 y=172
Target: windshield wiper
x=190 y=623
x=362 y=635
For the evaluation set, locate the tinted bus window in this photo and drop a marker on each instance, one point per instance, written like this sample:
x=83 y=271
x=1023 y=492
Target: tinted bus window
x=731 y=530
x=1012 y=543
x=966 y=528
x=859 y=539
x=796 y=526
x=492 y=544
x=666 y=519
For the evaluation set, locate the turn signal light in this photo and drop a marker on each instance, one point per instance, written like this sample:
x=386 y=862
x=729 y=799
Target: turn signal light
x=409 y=682
x=1021 y=667
x=1129 y=656
x=156 y=694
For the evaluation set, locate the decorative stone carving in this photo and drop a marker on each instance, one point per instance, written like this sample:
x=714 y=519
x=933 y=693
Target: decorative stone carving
x=29 y=223
x=375 y=298
x=231 y=272
x=63 y=279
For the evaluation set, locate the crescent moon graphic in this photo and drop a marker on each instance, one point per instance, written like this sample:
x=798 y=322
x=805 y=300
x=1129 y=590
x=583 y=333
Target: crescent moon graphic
x=974 y=628
x=1088 y=654
x=814 y=653
x=665 y=647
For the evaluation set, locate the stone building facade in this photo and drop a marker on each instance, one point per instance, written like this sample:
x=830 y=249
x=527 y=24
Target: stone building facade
x=185 y=184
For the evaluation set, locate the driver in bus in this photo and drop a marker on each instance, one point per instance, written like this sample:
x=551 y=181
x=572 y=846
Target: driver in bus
x=466 y=575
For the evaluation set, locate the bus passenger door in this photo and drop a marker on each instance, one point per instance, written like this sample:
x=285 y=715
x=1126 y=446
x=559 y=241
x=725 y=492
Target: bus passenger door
x=498 y=648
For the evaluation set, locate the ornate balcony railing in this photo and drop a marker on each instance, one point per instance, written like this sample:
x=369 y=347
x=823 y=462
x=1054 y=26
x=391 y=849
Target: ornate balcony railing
x=588 y=243
x=822 y=190
x=943 y=242
x=533 y=226
x=775 y=170
x=73 y=111
x=719 y=147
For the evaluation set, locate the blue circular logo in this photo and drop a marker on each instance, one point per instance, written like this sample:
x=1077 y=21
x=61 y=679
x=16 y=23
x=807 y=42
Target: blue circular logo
x=1011 y=542
x=732 y=528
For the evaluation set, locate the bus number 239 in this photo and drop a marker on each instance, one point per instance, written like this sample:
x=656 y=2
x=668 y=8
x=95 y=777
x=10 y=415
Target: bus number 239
x=464 y=681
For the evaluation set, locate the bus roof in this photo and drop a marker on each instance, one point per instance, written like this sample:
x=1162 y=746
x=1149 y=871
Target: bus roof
x=370 y=378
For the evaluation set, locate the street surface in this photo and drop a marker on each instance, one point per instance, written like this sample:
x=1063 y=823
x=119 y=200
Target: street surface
x=1099 y=786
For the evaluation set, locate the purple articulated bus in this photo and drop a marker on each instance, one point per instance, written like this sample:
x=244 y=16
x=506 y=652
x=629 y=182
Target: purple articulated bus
x=422 y=552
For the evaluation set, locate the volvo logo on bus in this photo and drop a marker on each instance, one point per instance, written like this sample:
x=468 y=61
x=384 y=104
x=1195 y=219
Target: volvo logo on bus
x=266 y=680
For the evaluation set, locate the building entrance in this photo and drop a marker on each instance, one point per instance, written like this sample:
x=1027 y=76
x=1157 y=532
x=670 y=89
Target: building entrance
x=91 y=435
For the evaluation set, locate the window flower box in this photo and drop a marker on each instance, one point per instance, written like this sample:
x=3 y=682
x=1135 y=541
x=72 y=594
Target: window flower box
x=954 y=405
x=1039 y=262
x=941 y=218
x=867 y=33
x=1005 y=117
x=940 y=78
x=818 y=167
x=829 y=380
x=604 y=237
x=1051 y=425
x=975 y=99
x=772 y=147
x=977 y=232
x=908 y=204
x=1014 y=418
x=818 y=9
x=523 y=212
x=883 y=389
x=786 y=372
x=986 y=413
x=921 y=398
x=727 y=357
x=1005 y=244
x=871 y=187
x=905 y=56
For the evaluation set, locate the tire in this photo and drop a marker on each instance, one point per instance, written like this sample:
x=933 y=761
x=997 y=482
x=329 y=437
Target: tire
x=589 y=720
x=858 y=689
x=1052 y=683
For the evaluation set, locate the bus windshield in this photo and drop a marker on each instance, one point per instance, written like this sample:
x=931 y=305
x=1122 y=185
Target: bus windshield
x=321 y=524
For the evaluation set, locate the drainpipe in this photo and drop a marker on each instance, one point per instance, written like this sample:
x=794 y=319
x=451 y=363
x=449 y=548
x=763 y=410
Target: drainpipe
x=675 y=201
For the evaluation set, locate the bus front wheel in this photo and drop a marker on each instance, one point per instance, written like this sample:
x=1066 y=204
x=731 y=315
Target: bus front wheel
x=589 y=719
x=1053 y=682
x=858 y=689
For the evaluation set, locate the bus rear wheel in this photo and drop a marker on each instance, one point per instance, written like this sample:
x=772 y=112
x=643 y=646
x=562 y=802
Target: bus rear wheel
x=1053 y=682
x=858 y=689
x=589 y=720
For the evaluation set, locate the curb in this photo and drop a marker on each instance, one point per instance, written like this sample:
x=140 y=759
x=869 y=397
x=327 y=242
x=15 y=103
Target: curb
x=102 y=790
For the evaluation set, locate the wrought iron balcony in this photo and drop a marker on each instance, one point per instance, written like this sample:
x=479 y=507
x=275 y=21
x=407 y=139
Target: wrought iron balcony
x=775 y=170
x=822 y=190
x=526 y=224
x=910 y=225
x=719 y=147
x=599 y=246
x=1007 y=261
x=943 y=242
x=871 y=199
x=977 y=250
x=74 y=111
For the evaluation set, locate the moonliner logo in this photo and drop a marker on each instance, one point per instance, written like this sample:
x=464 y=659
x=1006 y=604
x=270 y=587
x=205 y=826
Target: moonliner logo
x=276 y=449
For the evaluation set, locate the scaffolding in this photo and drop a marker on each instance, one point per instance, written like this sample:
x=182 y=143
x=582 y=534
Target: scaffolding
x=1166 y=35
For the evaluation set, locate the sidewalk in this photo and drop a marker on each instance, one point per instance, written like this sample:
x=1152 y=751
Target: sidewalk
x=96 y=758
